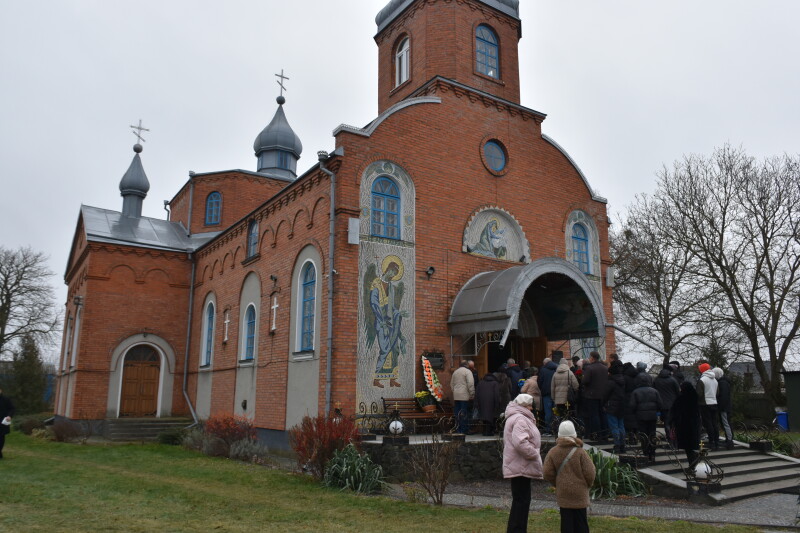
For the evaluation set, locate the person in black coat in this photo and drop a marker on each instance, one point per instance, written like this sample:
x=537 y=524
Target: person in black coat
x=629 y=372
x=646 y=404
x=544 y=380
x=685 y=418
x=614 y=405
x=724 y=405
x=487 y=398
x=669 y=389
x=6 y=412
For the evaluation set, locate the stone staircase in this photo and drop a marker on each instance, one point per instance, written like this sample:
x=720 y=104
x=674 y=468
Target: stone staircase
x=747 y=473
x=141 y=429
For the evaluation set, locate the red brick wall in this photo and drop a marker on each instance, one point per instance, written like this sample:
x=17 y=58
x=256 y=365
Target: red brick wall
x=442 y=42
x=241 y=193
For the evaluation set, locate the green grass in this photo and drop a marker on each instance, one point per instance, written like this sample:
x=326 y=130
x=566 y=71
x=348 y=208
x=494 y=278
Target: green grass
x=49 y=486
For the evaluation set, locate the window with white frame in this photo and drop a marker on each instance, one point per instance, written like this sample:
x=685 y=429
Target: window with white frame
x=401 y=62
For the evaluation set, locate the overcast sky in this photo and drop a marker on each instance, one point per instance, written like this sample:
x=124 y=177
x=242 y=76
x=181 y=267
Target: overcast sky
x=628 y=86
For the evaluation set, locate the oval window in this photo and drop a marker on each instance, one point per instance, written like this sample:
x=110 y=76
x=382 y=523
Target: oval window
x=495 y=155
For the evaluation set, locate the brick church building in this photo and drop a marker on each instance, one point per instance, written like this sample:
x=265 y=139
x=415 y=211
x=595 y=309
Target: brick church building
x=450 y=224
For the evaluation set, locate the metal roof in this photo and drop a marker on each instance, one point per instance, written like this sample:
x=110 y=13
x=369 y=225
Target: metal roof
x=104 y=225
x=395 y=7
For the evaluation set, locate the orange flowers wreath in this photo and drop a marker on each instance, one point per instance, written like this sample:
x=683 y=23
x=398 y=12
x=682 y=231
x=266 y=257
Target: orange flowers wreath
x=432 y=380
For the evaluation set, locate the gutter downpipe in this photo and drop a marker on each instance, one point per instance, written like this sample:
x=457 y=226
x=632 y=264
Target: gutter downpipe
x=322 y=155
x=188 y=342
x=191 y=206
x=639 y=339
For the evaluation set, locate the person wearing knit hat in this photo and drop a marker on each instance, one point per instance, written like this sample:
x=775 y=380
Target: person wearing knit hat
x=570 y=469
x=521 y=458
x=707 y=399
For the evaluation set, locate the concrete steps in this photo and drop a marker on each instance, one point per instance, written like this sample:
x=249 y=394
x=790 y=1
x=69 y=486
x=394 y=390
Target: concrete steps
x=141 y=429
x=747 y=473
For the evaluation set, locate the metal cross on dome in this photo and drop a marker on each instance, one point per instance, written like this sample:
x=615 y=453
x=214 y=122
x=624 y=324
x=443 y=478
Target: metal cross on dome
x=281 y=80
x=139 y=131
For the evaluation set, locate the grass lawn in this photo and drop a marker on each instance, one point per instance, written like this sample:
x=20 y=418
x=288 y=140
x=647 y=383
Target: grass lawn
x=49 y=486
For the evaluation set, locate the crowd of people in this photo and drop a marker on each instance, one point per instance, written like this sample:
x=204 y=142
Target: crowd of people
x=610 y=399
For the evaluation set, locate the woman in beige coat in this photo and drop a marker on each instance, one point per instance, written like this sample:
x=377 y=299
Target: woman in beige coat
x=571 y=470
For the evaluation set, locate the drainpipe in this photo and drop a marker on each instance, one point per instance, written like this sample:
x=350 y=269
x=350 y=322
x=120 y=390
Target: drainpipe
x=634 y=337
x=191 y=203
x=322 y=155
x=188 y=342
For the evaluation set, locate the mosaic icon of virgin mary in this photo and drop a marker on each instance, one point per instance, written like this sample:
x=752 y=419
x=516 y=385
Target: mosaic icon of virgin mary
x=383 y=295
x=492 y=242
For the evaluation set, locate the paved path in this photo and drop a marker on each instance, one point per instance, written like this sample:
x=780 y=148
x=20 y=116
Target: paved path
x=773 y=510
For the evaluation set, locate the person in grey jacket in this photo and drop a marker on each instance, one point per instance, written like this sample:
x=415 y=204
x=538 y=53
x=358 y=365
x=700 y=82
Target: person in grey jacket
x=646 y=404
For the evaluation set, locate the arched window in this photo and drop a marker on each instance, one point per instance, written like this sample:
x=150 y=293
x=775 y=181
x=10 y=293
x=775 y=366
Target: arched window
x=249 y=333
x=208 y=349
x=252 y=238
x=401 y=59
x=486 y=52
x=75 y=338
x=67 y=344
x=213 y=208
x=580 y=248
x=309 y=279
x=385 y=208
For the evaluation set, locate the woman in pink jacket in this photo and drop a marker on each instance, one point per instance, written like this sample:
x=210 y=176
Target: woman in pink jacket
x=521 y=458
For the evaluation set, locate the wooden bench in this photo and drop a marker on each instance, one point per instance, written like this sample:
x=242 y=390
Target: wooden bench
x=409 y=409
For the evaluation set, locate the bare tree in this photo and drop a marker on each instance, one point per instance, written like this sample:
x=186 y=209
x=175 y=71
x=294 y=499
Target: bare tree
x=740 y=218
x=655 y=291
x=26 y=299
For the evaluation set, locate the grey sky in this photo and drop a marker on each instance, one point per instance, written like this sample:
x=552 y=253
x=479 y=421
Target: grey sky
x=627 y=85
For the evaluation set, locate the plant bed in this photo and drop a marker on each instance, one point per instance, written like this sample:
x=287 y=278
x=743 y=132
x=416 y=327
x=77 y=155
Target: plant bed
x=761 y=445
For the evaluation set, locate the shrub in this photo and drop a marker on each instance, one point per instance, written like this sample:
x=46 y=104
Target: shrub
x=431 y=463
x=66 y=431
x=613 y=478
x=172 y=437
x=27 y=423
x=250 y=451
x=42 y=434
x=349 y=469
x=314 y=440
x=230 y=428
x=193 y=439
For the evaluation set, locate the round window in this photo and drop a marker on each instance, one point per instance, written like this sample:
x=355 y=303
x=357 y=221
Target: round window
x=495 y=156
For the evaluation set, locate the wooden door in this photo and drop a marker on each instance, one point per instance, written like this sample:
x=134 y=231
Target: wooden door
x=140 y=383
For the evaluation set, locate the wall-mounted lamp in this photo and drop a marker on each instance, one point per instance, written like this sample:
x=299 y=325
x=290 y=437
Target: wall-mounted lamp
x=78 y=301
x=430 y=271
x=244 y=405
x=274 y=278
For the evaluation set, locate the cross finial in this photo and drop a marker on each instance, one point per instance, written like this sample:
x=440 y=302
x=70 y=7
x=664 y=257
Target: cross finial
x=139 y=131
x=280 y=81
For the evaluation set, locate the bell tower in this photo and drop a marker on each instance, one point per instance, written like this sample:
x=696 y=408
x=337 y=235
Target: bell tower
x=472 y=42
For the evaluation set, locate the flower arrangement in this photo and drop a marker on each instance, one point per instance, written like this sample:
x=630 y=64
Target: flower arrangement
x=424 y=398
x=432 y=380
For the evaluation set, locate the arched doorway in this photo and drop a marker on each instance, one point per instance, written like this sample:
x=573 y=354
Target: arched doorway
x=140 y=379
x=519 y=311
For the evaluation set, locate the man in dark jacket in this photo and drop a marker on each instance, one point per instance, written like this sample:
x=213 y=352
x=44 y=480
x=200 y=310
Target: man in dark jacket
x=629 y=372
x=514 y=373
x=595 y=379
x=545 y=378
x=487 y=398
x=614 y=401
x=646 y=404
x=724 y=405
x=669 y=389
x=676 y=372
x=6 y=412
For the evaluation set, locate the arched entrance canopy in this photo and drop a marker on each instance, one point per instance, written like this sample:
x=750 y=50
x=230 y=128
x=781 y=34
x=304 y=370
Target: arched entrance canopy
x=562 y=299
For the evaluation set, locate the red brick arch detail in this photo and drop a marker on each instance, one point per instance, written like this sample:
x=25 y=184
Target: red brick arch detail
x=302 y=213
x=315 y=209
x=206 y=274
x=123 y=267
x=153 y=272
x=267 y=237
x=239 y=251
x=216 y=268
x=286 y=225
x=227 y=259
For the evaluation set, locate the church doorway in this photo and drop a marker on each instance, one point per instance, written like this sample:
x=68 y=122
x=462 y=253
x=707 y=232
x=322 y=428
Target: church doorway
x=140 y=382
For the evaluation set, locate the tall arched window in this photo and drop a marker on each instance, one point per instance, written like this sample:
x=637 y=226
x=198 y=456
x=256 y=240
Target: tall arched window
x=76 y=331
x=401 y=59
x=249 y=333
x=385 y=208
x=486 y=52
x=213 y=208
x=208 y=349
x=67 y=344
x=309 y=278
x=580 y=248
x=252 y=238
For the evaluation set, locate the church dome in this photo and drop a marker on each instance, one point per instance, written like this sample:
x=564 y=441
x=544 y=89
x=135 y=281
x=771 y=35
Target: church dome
x=278 y=135
x=133 y=186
